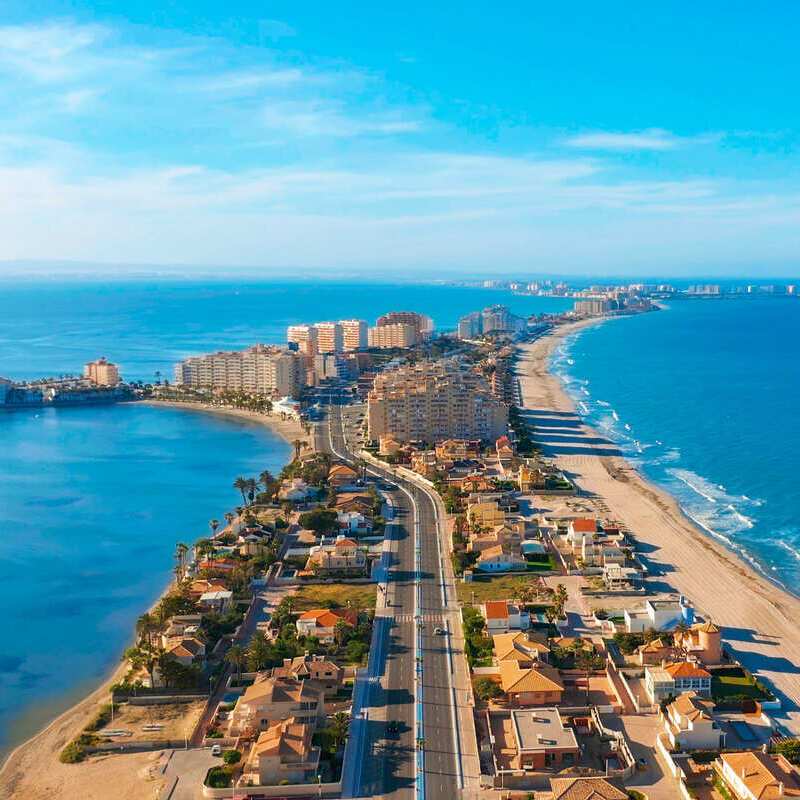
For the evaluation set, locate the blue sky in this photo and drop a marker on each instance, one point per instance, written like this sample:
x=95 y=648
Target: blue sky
x=587 y=138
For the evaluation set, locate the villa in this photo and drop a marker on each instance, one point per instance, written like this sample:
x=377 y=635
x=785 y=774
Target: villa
x=284 y=753
x=670 y=679
x=663 y=615
x=586 y=789
x=341 y=475
x=296 y=490
x=274 y=699
x=342 y=556
x=524 y=648
x=500 y=558
x=689 y=724
x=502 y=616
x=753 y=775
x=321 y=622
x=537 y=685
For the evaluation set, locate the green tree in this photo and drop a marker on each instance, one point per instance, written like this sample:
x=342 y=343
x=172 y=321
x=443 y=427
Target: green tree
x=339 y=727
x=259 y=652
x=213 y=524
x=320 y=520
x=237 y=656
x=486 y=688
x=241 y=484
x=789 y=749
x=232 y=756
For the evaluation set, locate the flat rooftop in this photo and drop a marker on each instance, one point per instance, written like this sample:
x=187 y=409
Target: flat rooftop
x=541 y=729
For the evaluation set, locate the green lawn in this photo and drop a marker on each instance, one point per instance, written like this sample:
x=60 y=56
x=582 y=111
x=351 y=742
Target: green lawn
x=486 y=587
x=734 y=682
x=316 y=596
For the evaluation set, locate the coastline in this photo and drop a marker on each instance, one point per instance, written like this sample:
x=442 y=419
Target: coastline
x=25 y=760
x=758 y=616
x=288 y=429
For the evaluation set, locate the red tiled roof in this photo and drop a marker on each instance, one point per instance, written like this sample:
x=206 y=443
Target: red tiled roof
x=496 y=609
x=584 y=525
x=686 y=669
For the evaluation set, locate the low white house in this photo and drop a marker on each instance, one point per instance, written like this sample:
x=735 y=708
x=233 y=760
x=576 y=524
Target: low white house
x=500 y=559
x=502 y=617
x=295 y=491
x=220 y=601
x=689 y=723
x=663 y=615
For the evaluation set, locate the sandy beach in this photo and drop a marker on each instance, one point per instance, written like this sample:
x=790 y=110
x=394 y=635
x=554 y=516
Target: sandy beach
x=758 y=618
x=288 y=429
x=33 y=768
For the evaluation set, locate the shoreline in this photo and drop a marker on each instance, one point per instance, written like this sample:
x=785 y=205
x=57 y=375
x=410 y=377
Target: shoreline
x=288 y=429
x=46 y=743
x=757 y=615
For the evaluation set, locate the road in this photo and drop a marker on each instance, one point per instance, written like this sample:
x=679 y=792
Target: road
x=388 y=767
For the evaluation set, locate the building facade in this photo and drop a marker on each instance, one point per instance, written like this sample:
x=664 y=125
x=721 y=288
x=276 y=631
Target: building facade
x=398 y=334
x=329 y=337
x=354 y=334
x=432 y=401
x=304 y=336
x=102 y=372
x=259 y=369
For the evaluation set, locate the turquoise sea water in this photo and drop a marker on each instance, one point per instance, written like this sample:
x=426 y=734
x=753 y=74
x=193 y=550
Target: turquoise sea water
x=53 y=327
x=92 y=503
x=703 y=398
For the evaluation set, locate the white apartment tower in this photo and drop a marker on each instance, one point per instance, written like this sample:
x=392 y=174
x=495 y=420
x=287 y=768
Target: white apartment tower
x=354 y=334
x=305 y=337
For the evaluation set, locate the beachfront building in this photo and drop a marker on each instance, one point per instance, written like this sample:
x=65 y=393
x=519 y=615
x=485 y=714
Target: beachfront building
x=702 y=641
x=670 y=679
x=592 y=305
x=304 y=337
x=329 y=337
x=354 y=334
x=260 y=369
x=101 y=372
x=753 y=775
x=385 y=337
x=689 y=723
x=663 y=615
x=434 y=400
x=324 y=672
x=470 y=326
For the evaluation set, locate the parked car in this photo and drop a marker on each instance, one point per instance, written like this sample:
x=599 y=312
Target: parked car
x=216 y=750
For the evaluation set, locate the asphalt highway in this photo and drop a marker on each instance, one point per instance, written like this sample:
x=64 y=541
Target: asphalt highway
x=388 y=767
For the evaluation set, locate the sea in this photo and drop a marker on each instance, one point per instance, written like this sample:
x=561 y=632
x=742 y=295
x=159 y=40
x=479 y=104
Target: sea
x=702 y=398
x=93 y=500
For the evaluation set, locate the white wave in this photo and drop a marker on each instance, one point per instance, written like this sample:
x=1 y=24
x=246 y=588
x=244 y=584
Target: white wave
x=627 y=427
x=603 y=403
x=746 y=521
x=684 y=476
x=793 y=550
x=614 y=414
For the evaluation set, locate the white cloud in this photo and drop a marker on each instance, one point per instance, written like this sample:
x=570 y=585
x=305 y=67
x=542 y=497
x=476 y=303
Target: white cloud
x=652 y=139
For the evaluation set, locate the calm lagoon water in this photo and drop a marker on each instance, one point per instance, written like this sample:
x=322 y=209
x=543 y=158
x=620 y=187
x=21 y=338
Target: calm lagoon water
x=92 y=503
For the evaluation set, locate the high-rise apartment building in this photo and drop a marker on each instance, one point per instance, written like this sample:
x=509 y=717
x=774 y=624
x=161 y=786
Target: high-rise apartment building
x=592 y=305
x=305 y=337
x=329 y=337
x=422 y=323
x=101 y=372
x=259 y=369
x=398 y=334
x=354 y=334
x=470 y=326
x=432 y=401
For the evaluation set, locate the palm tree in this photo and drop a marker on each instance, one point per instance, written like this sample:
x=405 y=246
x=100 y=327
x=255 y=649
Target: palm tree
x=252 y=485
x=204 y=547
x=298 y=445
x=228 y=517
x=339 y=727
x=146 y=625
x=181 y=549
x=213 y=524
x=238 y=657
x=241 y=484
x=266 y=479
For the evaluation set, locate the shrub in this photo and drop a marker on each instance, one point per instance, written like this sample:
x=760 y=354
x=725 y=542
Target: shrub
x=75 y=751
x=790 y=749
x=486 y=688
x=232 y=756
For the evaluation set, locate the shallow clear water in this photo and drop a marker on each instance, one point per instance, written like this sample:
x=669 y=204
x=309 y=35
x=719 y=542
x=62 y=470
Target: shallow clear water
x=703 y=398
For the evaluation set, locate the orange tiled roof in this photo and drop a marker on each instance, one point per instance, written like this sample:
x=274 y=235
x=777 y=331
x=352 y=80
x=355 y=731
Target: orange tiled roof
x=584 y=525
x=686 y=669
x=496 y=609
